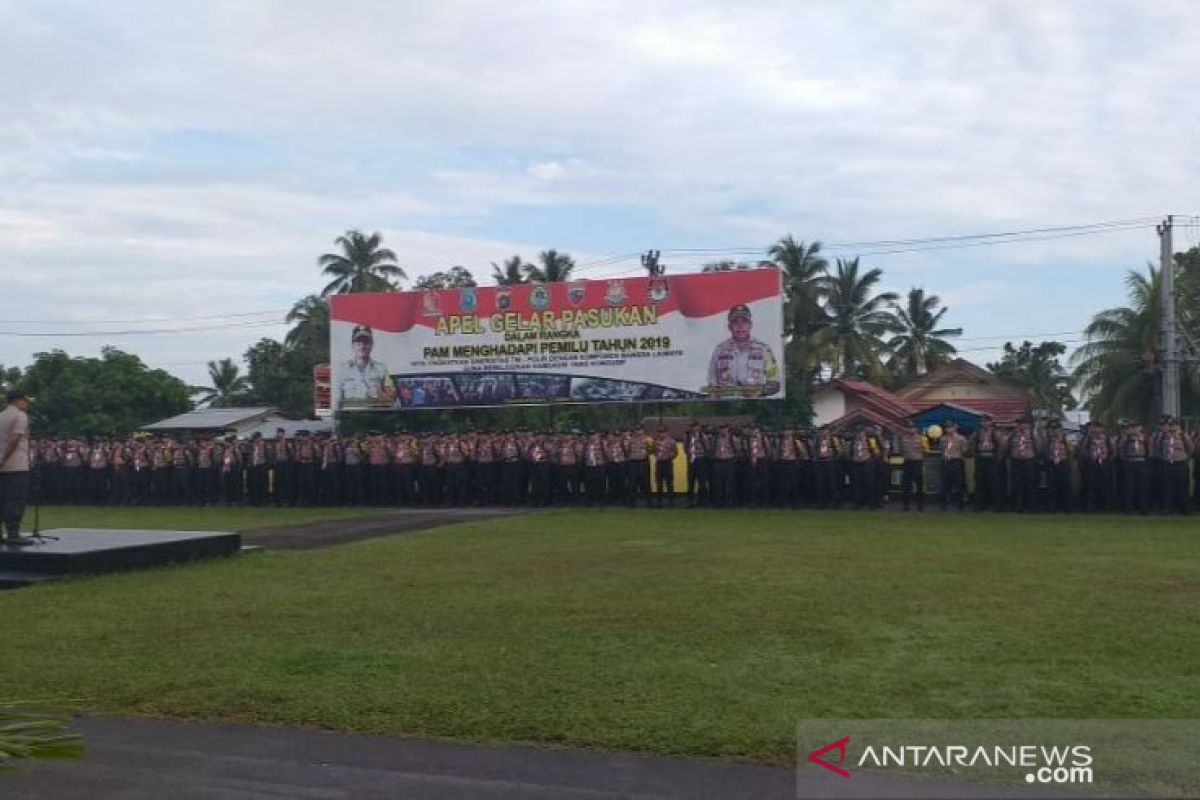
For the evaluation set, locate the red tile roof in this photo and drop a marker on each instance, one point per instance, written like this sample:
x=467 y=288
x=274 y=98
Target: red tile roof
x=876 y=396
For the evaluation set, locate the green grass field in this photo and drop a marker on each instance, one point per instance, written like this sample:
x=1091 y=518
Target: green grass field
x=695 y=632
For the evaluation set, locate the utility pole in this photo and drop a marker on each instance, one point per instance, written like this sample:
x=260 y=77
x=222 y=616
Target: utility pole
x=1170 y=353
x=650 y=263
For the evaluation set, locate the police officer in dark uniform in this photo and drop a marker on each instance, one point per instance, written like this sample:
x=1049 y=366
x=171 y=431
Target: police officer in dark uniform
x=665 y=451
x=1057 y=457
x=695 y=445
x=826 y=455
x=954 y=453
x=1022 y=458
x=637 y=448
x=985 y=450
x=913 y=446
x=723 y=454
x=1134 y=451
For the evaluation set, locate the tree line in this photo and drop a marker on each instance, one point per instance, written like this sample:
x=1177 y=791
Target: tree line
x=838 y=322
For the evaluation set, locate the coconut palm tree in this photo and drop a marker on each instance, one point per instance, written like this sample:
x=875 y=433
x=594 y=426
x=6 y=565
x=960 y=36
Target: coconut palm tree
x=227 y=387
x=510 y=271
x=855 y=319
x=803 y=267
x=553 y=267
x=362 y=266
x=1119 y=369
x=309 y=319
x=918 y=344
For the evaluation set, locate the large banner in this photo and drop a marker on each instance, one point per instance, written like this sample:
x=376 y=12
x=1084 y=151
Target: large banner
x=715 y=336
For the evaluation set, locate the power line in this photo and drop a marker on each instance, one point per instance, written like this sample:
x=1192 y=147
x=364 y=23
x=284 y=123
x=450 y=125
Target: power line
x=272 y=312
x=887 y=246
x=143 y=331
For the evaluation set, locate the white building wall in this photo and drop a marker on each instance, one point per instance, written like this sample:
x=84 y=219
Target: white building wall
x=828 y=406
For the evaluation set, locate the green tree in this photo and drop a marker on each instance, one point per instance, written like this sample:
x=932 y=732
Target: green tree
x=362 y=266
x=803 y=268
x=280 y=376
x=113 y=394
x=309 y=334
x=453 y=278
x=228 y=387
x=510 y=271
x=855 y=320
x=918 y=344
x=552 y=267
x=1119 y=370
x=1036 y=369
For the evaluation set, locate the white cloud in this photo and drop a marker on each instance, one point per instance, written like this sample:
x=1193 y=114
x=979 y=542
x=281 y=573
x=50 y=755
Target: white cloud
x=728 y=123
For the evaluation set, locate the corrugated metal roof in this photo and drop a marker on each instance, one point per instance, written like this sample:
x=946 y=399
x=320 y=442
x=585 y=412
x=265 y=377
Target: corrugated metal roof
x=290 y=426
x=211 y=419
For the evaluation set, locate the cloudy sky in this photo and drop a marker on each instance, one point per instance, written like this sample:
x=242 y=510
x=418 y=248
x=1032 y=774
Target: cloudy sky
x=189 y=161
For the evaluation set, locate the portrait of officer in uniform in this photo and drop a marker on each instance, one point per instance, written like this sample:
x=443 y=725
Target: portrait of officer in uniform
x=742 y=361
x=365 y=381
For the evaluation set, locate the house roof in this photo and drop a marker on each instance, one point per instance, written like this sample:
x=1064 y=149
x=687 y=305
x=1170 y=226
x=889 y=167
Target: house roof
x=873 y=397
x=290 y=426
x=959 y=368
x=865 y=414
x=211 y=419
x=1003 y=410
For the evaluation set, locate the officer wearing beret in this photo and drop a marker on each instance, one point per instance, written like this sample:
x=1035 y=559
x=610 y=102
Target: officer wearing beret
x=742 y=360
x=365 y=381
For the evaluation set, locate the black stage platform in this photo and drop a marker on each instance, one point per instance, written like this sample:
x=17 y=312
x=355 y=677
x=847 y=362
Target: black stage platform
x=75 y=551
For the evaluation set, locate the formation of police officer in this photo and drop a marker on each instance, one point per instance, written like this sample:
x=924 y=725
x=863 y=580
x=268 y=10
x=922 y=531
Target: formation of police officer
x=1015 y=468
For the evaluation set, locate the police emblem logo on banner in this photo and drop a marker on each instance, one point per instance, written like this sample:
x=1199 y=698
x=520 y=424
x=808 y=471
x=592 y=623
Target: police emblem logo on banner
x=468 y=300
x=614 y=295
x=657 y=290
x=576 y=292
x=503 y=299
x=539 y=297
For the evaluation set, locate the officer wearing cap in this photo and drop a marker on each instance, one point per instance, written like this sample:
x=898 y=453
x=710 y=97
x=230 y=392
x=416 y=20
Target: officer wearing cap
x=364 y=381
x=742 y=360
x=14 y=464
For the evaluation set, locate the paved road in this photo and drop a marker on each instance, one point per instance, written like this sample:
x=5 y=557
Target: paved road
x=143 y=759
x=327 y=533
